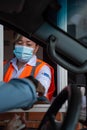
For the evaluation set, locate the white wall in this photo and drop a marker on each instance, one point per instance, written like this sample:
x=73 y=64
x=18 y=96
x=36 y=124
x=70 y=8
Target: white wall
x=1 y=52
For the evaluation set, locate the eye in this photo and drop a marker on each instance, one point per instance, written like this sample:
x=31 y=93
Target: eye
x=19 y=42
x=28 y=44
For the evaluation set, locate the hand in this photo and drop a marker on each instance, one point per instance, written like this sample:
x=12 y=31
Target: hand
x=39 y=87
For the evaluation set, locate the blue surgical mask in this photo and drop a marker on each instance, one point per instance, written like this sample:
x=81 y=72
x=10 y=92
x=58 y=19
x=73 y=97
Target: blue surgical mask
x=23 y=53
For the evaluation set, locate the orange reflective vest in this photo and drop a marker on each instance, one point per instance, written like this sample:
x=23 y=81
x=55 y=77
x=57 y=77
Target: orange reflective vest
x=29 y=70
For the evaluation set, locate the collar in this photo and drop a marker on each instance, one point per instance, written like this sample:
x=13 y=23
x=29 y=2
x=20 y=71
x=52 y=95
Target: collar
x=31 y=62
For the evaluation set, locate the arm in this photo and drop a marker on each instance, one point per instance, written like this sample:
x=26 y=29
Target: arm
x=44 y=76
x=17 y=93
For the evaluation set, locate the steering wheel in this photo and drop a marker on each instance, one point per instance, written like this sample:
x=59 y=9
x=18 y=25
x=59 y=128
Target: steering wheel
x=73 y=94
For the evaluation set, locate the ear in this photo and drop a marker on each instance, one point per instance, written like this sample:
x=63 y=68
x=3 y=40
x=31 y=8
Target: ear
x=36 y=49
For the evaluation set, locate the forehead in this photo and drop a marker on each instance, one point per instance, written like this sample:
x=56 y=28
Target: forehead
x=25 y=39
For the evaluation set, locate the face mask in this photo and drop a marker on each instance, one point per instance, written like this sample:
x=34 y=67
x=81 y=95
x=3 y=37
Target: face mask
x=23 y=53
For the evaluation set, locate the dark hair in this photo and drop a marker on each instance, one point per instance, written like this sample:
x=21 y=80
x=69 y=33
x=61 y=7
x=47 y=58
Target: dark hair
x=18 y=36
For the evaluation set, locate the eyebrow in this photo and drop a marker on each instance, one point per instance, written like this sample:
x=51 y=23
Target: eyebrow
x=22 y=40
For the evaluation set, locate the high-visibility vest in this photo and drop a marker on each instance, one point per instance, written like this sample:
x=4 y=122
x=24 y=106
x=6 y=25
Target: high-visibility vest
x=29 y=70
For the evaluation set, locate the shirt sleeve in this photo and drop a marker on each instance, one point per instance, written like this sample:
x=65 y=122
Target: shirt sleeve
x=44 y=76
x=17 y=93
